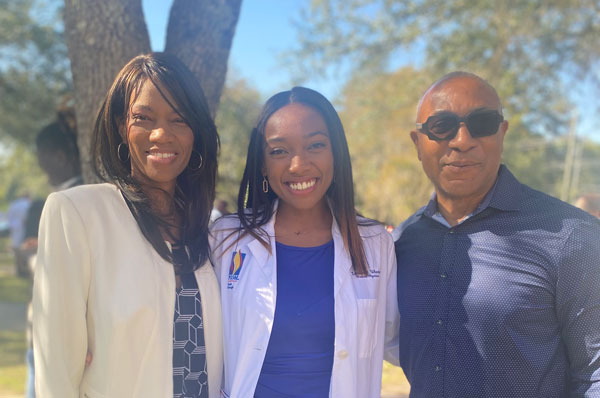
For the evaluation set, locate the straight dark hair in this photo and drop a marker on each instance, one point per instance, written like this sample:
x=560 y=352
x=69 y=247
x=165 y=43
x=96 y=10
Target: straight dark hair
x=255 y=207
x=195 y=187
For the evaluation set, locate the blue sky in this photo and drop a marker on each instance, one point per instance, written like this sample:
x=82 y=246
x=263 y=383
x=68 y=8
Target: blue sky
x=263 y=32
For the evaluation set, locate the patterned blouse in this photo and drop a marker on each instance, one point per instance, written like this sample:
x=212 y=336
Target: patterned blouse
x=190 y=379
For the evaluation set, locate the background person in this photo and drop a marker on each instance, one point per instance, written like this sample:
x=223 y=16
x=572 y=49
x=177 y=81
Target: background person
x=307 y=286
x=57 y=151
x=122 y=267
x=497 y=283
x=58 y=157
x=15 y=217
x=219 y=209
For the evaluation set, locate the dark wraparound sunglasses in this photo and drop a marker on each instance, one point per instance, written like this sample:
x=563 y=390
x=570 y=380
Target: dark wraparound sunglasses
x=444 y=125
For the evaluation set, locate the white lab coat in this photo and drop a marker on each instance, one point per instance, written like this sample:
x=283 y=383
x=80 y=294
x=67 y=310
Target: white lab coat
x=366 y=310
x=100 y=286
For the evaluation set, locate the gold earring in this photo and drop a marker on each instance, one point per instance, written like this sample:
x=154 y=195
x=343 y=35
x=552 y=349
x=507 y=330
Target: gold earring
x=123 y=152
x=265 y=184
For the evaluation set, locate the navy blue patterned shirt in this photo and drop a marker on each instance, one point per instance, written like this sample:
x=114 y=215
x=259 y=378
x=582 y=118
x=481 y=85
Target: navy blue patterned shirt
x=190 y=378
x=505 y=304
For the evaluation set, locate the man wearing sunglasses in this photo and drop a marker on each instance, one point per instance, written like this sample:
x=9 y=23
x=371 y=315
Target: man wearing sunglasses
x=498 y=284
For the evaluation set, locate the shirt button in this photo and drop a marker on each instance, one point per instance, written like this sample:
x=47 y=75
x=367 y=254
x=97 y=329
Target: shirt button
x=451 y=231
x=443 y=275
x=440 y=322
x=343 y=354
x=437 y=368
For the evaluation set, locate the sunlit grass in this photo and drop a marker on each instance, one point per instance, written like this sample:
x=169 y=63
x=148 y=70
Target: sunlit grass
x=14 y=289
x=394 y=383
x=13 y=345
x=12 y=362
x=12 y=380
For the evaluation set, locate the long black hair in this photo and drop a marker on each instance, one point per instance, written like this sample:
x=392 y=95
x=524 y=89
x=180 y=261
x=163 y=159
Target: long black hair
x=255 y=207
x=195 y=187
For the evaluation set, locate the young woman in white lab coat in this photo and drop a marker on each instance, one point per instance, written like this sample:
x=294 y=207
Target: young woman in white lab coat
x=308 y=288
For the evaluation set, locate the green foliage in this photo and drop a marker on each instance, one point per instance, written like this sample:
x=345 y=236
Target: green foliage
x=589 y=180
x=34 y=74
x=237 y=114
x=378 y=114
x=530 y=50
x=525 y=44
x=19 y=174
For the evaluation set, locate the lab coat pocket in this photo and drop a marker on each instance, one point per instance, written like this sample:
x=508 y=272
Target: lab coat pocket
x=368 y=327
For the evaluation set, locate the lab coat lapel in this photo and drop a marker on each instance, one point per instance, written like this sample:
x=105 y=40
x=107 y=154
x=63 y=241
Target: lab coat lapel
x=265 y=259
x=342 y=262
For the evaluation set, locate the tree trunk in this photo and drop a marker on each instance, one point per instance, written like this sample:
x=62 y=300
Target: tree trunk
x=200 y=34
x=102 y=36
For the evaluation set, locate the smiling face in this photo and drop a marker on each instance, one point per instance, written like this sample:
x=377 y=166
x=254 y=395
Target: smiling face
x=463 y=168
x=298 y=161
x=160 y=142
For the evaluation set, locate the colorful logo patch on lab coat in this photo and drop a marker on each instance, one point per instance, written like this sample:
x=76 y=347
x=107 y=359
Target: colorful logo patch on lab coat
x=237 y=261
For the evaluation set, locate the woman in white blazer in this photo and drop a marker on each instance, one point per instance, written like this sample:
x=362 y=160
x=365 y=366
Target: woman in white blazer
x=123 y=275
x=307 y=287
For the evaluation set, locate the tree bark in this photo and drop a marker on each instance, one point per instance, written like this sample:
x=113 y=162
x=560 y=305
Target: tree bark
x=200 y=33
x=102 y=36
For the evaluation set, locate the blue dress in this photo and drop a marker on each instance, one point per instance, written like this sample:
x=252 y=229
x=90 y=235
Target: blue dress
x=299 y=358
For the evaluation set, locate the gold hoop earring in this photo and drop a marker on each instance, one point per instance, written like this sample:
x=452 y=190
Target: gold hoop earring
x=265 y=184
x=123 y=152
x=195 y=165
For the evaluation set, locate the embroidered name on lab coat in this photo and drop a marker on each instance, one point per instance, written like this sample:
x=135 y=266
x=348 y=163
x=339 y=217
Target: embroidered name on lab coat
x=373 y=273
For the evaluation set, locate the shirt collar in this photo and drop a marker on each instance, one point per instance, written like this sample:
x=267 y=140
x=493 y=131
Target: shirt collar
x=504 y=195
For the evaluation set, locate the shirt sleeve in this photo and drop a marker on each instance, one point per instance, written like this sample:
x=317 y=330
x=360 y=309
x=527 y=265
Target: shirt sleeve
x=392 y=314
x=578 y=308
x=60 y=292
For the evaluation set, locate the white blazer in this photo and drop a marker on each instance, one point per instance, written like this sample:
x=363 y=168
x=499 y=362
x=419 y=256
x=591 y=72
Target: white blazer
x=99 y=285
x=366 y=310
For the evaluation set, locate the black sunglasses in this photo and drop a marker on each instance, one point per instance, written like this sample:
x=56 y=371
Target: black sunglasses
x=444 y=125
